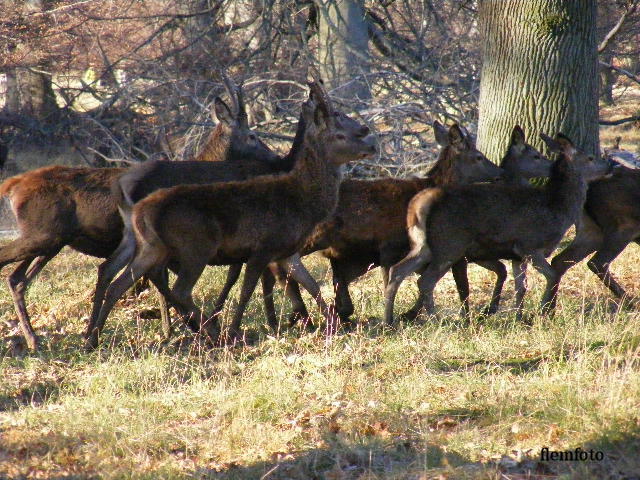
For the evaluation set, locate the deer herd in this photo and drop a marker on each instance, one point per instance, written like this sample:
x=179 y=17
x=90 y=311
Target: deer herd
x=239 y=203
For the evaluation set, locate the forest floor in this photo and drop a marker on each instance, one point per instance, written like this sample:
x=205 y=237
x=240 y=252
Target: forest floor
x=441 y=400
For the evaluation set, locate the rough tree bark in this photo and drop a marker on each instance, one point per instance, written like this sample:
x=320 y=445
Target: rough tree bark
x=344 y=46
x=30 y=93
x=29 y=90
x=539 y=70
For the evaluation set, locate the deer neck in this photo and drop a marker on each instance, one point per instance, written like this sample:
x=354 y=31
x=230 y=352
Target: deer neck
x=218 y=146
x=509 y=177
x=296 y=147
x=443 y=172
x=318 y=179
x=567 y=190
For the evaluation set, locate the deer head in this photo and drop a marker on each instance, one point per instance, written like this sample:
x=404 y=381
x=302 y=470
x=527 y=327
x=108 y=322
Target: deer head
x=243 y=142
x=346 y=139
x=590 y=167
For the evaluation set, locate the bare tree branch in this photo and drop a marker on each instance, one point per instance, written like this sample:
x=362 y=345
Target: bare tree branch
x=616 y=28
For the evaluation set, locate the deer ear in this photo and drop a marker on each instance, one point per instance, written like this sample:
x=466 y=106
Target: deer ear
x=566 y=144
x=441 y=134
x=456 y=138
x=307 y=111
x=517 y=136
x=551 y=143
x=223 y=113
x=320 y=117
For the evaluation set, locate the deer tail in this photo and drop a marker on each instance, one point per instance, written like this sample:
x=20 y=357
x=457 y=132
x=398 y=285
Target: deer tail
x=417 y=218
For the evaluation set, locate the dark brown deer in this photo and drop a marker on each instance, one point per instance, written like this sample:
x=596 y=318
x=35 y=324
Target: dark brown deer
x=610 y=222
x=57 y=206
x=236 y=222
x=521 y=163
x=368 y=228
x=144 y=179
x=489 y=222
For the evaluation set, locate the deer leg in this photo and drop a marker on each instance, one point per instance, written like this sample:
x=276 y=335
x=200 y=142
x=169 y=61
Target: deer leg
x=19 y=281
x=25 y=249
x=519 y=270
x=427 y=283
x=144 y=261
x=182 y=296
x=459 y=271
x=161 y=282
x=301 y=275
x=385 y=276
x=344 y=272
x=587 y=240
x=252 y=272
x=540 y=263
x=414 y=261
x=233 y=273
x=611 y=247
x=268 y=280
x=292 y=291
x=107 y=272
x=500 y=270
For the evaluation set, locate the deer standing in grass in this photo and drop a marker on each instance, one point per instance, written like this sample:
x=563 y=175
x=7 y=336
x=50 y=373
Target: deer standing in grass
x=368 y=228
x=490 y=222
x=258 y=221
x=611 y=220
x=144 y=179
x=521 y=163
x=57 y=206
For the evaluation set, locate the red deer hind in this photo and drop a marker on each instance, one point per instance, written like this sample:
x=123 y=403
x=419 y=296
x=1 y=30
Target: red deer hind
x=238 y=222
x=490 y=222
x=57 y=206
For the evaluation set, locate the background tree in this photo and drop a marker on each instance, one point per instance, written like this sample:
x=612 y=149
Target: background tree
x=132 y=80
x=343 y=46
x=539 y=70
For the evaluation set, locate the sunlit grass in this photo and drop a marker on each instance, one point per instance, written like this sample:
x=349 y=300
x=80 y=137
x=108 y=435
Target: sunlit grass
x=441 y=400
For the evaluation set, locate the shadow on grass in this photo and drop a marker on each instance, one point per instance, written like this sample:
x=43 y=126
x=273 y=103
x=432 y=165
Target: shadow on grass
x=516 y=366
x=34 y=394
x=619 y=460
x=342 y=461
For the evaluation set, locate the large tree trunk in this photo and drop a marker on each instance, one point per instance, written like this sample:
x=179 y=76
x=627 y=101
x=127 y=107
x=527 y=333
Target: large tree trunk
x=539 y=70
x=344 y=46
x=30 y=93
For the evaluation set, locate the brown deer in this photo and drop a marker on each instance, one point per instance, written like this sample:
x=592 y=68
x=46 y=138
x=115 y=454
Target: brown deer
x=57 y=206
x=236 y=222
x=611 y=221
x=144 y=179
x=489 y=222
x=521 y=163
x=368 y=228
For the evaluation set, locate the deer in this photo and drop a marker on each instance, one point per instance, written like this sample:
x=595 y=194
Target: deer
x=236 y=222
x=56 y=206
x=611 y=220
x=142 y=180
x=521 y=163
x=490 y=222
x=368 y=228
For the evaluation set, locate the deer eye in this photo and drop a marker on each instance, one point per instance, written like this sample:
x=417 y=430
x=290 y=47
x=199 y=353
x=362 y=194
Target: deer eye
x=340 y=136
x=252 y=136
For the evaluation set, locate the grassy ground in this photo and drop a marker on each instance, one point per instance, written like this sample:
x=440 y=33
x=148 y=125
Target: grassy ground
x=441 y=400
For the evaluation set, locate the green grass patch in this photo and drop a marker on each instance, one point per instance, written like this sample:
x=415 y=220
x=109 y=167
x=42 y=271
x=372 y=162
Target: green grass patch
x=445 y=399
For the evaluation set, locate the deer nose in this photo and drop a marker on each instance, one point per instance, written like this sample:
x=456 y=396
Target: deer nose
x=363 y=132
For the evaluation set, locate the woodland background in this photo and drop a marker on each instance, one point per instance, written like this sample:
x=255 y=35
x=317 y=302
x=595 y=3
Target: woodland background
x=92 y=82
